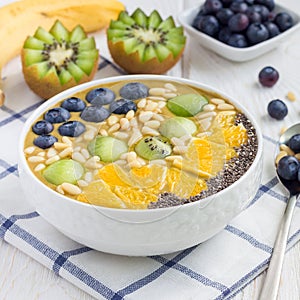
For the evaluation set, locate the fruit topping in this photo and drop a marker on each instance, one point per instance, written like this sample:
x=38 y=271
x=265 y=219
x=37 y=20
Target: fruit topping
x=186 y=105
x=207 y=24
x=108 y=149
x=64 y=170
x=268 y=76
x=294 y=143
x=145 y=44
x=94 y=114
x=237 y=40
x=57 y=115
x=122 y=106
x=288 y=167
x=134 y=91
x=71 y=128
x=153 y=147
x=238 y=22
x=257 y=33
x=44 y=141
x=59 y=59
x=277 y=109
x=73 y=104
x=42 y=127
x=284 y=21
x=177 y=127
x=100 y=96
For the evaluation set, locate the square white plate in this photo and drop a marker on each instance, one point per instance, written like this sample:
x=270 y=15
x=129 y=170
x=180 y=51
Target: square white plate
x=186 y=18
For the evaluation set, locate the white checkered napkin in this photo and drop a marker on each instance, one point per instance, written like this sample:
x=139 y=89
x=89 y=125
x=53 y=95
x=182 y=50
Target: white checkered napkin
x=216 y=269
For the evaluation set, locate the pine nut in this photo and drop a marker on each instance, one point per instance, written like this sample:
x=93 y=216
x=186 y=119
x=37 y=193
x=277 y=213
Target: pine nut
x=172 y=157
x=29 y=150
x=171 y=87
x=225 y=106
x=52 y=159
x=93 y=163
x=134 y=137
x=205 y=115
x=67 y=141
x=121 y=162
x=131 y=156
x=158 y=162
x=151 y=106
x=70 y=188
x=161 y=104
x=157 y=91
x=150 y=131
x=209 y=107
x=186 y=138
x=39 y=167
x=36 y=159
x=121 y=135
x=103 y=132
x=130 y=115
x=158 y=117
x=141 y=161
x=51 y=152
x=142 y=103
x=180 y=149
x=124 y=155
x=133 y=123
x=60 y=190
x=82 y=183
x=78 y=157
x=152 y=124
x=280 y=155
x=170 y=95
x=60 y=146
x=89 y=135
x=124 y=123
x=291 y=96
x=217 y=101
x=114 y=128
x=287 y=149
x=85 y=153
x=42 y=154
x=177 y=142
x=66 y=152
x=88 y=177
x=112 y=120
x=91 y=127
x=157 y=98
x=145 y=116
x=134 y=164
x=282 y=130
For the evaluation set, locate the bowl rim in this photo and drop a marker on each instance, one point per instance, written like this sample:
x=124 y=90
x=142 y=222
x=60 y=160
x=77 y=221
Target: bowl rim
x=185 y=18
x=51 y=101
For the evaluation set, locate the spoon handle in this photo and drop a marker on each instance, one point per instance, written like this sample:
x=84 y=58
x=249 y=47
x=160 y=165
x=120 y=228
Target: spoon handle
x=271 y=285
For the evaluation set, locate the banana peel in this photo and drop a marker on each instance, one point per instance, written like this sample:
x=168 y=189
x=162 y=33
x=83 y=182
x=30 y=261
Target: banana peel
x=20 y=19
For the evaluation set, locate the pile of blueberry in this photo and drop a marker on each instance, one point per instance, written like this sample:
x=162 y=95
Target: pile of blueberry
x=241 y=23
x=100 y=104
x=289 y=166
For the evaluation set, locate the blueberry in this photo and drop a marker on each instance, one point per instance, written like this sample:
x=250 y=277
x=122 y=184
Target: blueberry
x=270 y=4
x=207 y=24
x=238 y=7
x=224 y=35
x=134 y=90
x=71 y=128
x=284 y=21
x=257 y=33
x=100 y=96
x=122 y=106
x=223 y=15
x=294 y=143
x=42 y=127
x=272 y=28
x=288 y=167
x=212 y=6
x=57 y=115
x=277 y=109
x=238 y=22
x=253 y=16
x=250 y=2
x=45 y=141
x=227 y=3
x=237 y=40
x=262 y=10
x=73 y=104
x=268 y=76
x=94 y=114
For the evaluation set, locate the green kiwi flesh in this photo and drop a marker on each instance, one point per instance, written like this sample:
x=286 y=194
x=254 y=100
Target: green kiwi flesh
x=149 y=36
x=72 y=54
x=153 y=147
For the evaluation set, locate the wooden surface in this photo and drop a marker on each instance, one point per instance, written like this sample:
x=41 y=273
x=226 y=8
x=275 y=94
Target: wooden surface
x=22 y=278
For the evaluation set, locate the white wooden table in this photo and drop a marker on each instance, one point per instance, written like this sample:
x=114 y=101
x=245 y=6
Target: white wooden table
x=22 y=278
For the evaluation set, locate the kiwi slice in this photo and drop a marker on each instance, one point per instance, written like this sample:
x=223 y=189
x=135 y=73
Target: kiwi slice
x=59 y=59
x=64 y=170
x=145 y=44
x=153 y=147
x=187 y=105
x=109 y=149
x=177 y=127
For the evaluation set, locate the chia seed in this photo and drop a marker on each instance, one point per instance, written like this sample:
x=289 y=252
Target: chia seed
x=232 y=171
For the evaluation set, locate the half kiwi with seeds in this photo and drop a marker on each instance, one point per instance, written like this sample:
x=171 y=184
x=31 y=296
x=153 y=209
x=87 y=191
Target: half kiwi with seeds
x=59 y=59
x=145 y=44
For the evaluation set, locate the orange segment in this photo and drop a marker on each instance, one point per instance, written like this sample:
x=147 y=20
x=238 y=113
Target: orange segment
x=111 y=175
x=235 y=136
x=99 y=193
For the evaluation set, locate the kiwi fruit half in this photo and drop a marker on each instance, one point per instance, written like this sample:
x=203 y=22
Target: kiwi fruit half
x=59 y=59
x=145 y=44
x=153 y=147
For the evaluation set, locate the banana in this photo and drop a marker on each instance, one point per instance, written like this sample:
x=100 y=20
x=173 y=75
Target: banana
x=20 y=19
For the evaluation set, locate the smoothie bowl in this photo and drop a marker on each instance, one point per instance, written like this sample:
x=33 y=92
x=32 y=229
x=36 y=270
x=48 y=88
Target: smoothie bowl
x=140 y=164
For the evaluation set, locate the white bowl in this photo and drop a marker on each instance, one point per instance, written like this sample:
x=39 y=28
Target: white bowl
x=139 y=232
x=186 y=18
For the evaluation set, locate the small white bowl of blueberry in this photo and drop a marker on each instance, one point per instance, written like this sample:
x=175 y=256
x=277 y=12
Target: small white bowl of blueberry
x=239 y=30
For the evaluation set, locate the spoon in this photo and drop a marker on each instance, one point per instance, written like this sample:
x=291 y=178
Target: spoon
x=271 y=285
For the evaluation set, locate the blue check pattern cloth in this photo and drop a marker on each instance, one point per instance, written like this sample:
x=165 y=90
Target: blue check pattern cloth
x=216 y=269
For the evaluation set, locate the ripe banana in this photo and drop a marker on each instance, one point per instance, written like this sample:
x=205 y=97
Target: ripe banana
x=20 y=19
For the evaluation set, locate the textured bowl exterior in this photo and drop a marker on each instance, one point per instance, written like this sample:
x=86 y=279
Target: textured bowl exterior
x=139 y=232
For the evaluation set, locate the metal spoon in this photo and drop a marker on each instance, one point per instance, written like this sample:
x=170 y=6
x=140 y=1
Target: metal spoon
x=271 y=285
